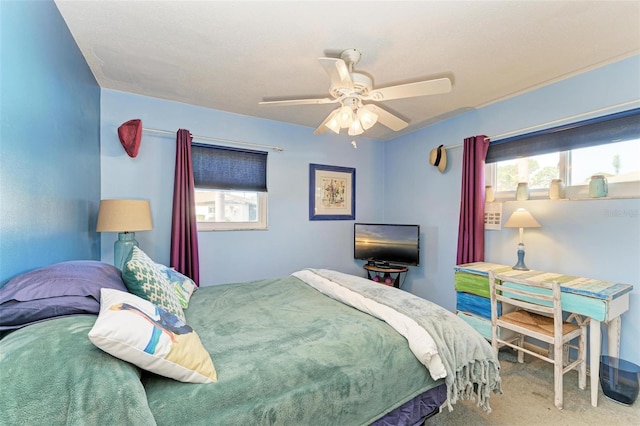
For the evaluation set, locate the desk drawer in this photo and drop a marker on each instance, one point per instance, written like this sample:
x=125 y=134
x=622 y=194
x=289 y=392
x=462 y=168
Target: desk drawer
x=482 y=325
x=578 y=304
x=475 y=304
x=472 y=284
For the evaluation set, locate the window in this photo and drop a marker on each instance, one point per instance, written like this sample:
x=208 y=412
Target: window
x=231 y=188
x=608 y=146
x=538 y=171
x=619 y=162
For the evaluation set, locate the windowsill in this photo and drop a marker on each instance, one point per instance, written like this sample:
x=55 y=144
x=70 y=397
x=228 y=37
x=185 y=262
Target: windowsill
x=203 y=227
x=617 y=191
x=619 y=197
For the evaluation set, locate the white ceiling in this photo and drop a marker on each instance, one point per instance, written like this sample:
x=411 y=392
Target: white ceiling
x=229 y=55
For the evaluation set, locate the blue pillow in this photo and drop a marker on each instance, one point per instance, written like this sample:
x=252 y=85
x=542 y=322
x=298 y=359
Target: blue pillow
x=181 y=284
x=65 y=288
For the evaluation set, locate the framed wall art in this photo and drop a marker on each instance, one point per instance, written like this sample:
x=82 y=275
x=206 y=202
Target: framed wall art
x=332 y=192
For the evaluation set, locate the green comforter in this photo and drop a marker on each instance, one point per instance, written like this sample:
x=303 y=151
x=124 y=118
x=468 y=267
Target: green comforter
x=286 y=354
x=51 y=374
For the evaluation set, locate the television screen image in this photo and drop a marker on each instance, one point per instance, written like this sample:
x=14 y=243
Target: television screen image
x=387 y=243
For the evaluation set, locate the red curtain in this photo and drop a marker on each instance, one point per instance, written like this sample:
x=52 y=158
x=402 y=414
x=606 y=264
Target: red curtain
x=471 y=225
x=184 y=233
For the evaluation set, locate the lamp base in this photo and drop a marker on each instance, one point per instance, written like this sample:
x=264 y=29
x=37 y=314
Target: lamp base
x=122 y=247
x=520 y=266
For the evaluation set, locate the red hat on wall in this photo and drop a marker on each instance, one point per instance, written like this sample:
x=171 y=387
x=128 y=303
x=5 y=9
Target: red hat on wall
x=130 y=134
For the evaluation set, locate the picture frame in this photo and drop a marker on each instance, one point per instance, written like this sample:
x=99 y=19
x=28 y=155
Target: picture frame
x=332 y=192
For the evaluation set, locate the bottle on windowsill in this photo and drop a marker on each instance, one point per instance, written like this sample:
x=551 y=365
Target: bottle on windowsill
x=489 y=195
x=522 y=192
x=556 y=189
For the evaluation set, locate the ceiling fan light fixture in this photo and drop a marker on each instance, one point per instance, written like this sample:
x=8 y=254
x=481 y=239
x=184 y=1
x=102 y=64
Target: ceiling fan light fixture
x=367 y=117
x=333 y=124
x=345 y=116
x=355 y=128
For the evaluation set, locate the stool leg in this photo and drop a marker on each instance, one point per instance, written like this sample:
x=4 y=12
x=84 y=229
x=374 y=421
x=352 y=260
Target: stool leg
x=521 y=353
x=557 y=375
x=582 y=354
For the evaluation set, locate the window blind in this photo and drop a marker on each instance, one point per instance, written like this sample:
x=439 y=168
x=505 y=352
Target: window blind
x=226 y=168
x=610 y=128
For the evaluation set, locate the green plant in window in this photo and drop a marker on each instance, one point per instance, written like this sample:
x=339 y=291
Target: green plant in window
x=507 y=177
x=543 y=178
x=616 y=164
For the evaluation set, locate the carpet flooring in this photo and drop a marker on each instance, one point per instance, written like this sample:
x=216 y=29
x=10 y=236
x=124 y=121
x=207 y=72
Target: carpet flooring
x=527 y=400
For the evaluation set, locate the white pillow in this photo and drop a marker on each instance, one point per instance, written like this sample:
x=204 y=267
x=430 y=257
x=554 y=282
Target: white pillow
x=137 y=331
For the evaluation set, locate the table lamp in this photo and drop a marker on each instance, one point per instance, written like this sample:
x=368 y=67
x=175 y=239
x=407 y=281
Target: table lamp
x=124 y=217
x=521 y=219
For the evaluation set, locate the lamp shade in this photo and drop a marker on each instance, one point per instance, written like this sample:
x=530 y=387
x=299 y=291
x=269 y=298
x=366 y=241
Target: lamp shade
x=521 y=219
x=345 y=116
x=332 y=123
x=367 y=117
x=124 y=216
x=355 y=128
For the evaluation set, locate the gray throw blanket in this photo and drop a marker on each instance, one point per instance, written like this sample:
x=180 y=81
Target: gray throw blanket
x=471 y=364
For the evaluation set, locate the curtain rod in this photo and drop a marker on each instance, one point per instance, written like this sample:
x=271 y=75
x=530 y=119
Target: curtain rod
x=573 y=117
x=167 y=132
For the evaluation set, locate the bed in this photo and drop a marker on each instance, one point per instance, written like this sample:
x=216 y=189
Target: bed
x=318 y=347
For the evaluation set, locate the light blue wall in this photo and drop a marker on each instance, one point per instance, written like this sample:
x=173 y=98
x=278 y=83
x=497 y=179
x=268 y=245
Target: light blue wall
x=592 y=238
x=49 y=142
x=292 y=241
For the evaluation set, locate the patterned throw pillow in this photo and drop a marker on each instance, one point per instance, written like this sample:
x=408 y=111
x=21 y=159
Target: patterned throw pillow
x=144 y=279
x=182 y=285
x=155 y=340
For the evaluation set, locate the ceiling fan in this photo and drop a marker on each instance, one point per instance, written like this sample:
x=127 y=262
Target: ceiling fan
x=351 y=89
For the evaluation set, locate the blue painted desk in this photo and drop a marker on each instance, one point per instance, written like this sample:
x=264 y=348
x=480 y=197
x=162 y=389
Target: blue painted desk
x=601 y=301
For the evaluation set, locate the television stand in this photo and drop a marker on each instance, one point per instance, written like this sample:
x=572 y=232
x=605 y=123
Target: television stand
x=385 y=274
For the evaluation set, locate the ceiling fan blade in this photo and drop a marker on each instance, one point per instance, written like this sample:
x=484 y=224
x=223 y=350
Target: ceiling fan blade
x=337 y=70
x=317 y=101
x=410 y=90
x=320 y=129
x=387 y=119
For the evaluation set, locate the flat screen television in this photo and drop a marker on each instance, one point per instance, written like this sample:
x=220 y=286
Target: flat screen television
x=385 y=244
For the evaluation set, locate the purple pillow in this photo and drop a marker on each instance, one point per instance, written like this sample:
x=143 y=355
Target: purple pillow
x=65 y=288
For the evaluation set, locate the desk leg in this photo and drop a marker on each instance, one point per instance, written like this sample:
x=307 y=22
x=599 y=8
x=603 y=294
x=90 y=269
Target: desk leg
x=595 y=349
x=613 y=340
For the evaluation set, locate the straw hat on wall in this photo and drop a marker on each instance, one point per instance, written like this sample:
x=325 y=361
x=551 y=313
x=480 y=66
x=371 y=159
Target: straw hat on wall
x=438 y=158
